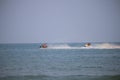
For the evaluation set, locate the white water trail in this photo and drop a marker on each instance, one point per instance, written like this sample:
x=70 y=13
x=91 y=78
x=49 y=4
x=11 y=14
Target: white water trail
x=59 y=46
x=106 y=46
x=93 y=46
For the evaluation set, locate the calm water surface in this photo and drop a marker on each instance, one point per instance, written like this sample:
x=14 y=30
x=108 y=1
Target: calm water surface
x=59 y=62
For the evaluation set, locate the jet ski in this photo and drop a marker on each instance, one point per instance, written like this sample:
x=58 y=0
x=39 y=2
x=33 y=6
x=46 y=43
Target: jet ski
x=43 y=45
x=87 y=45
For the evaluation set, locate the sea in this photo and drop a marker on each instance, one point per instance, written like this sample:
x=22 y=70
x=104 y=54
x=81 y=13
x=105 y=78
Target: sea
x=60 y=61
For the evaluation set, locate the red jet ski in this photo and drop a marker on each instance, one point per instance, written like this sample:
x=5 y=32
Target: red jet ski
x=43 y=45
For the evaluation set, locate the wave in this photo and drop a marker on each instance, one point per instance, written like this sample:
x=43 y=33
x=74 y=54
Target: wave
x=93 y=46
x=69 y=77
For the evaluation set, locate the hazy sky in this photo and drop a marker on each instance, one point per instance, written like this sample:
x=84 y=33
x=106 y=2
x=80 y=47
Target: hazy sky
x=36 y=21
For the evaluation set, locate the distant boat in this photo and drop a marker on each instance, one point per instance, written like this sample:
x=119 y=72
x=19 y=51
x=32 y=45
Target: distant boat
x=44 y=45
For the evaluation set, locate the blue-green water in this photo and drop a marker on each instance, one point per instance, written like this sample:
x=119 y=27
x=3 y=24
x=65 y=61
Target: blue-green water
x=60 y=61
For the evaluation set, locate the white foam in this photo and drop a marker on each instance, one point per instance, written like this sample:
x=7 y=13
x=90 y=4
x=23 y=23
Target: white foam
x=93 y=46
x=106 y=46
x=59 y=46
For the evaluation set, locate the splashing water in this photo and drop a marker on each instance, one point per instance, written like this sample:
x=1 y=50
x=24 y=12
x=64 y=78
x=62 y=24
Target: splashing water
x=59 y=46
x=93 y=46
x=106 y=46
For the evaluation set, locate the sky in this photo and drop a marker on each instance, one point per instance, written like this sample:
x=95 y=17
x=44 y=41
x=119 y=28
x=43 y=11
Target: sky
x=56 y=21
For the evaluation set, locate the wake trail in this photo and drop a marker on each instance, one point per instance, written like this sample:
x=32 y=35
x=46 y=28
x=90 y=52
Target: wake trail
x=93 y=46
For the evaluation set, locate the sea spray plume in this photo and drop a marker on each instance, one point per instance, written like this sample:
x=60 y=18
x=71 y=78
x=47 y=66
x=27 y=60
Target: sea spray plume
x=92 y=46
x=59 y=46
x=106 y=46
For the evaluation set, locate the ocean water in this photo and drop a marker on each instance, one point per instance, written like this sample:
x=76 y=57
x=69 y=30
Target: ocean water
x=60 y=61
